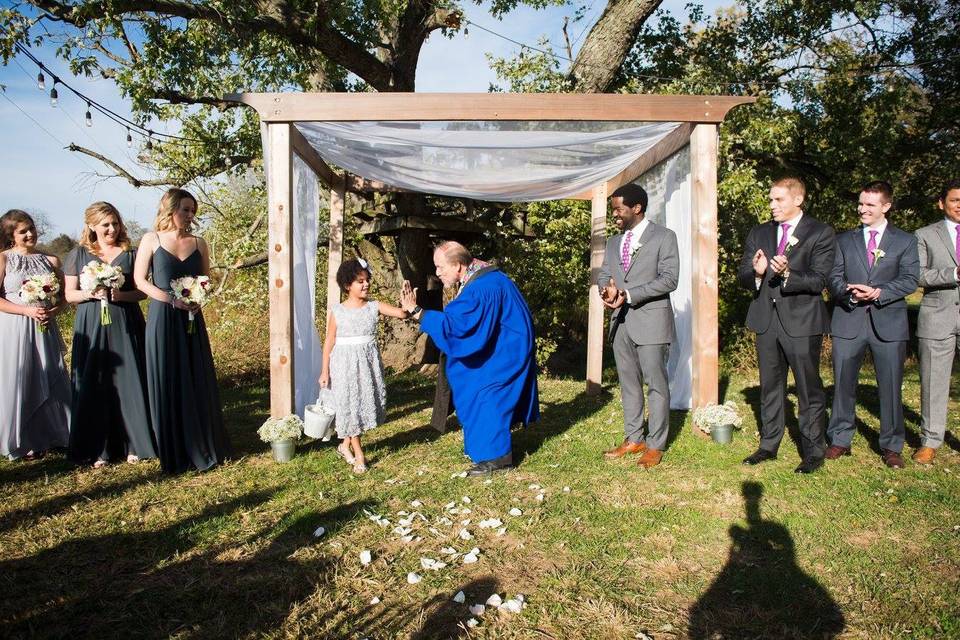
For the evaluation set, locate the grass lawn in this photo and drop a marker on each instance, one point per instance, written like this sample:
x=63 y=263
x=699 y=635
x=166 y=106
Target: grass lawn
x=697 y=547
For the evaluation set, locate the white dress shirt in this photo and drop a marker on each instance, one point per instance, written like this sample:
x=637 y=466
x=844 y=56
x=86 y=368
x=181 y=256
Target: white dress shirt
x=636 y=232
x=952 y=229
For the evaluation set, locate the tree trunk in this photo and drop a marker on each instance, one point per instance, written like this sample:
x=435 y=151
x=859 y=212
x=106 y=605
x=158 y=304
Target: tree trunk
x=608 y=44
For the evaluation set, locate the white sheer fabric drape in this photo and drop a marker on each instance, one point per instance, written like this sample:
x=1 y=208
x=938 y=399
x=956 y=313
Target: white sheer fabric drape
x=486 y=160
x=307 y=348
x=668 y=185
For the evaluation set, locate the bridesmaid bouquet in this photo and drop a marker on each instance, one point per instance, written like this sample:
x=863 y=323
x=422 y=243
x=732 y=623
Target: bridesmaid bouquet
x=96 y=275
x=41 y=290
x=192 y=290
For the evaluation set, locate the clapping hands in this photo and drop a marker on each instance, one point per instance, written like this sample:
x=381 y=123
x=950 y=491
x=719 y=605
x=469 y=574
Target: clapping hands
x=611 y=296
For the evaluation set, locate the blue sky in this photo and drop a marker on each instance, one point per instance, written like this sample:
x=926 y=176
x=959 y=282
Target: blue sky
x=39 y=175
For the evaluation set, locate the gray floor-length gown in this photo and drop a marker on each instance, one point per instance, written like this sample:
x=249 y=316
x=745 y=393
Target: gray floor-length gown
x=181 y=381
x=34 y=389
x=110 y=415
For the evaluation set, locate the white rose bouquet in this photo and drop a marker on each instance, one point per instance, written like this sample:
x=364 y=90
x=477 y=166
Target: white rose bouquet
x=96 y=275
x=191 y=290
x=40 y=290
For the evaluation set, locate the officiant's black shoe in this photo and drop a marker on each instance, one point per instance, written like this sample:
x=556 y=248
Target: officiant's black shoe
x=809 y=465
x=491 y=466
x=758 y=456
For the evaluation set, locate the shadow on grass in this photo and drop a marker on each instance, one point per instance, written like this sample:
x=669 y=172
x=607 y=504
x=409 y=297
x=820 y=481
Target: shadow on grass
x=30 y=470
x=555 y=419
x=751 y=396
x=761 y=592
x=448 y=619
x=156 y=584
x=868 y=396
x=51 y=507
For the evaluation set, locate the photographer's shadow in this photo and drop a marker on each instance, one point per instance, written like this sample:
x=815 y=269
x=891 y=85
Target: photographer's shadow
x=761 y=592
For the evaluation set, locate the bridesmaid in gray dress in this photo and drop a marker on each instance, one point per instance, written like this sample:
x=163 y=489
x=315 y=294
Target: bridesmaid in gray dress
x=34 y=390
x=109 y=410
x=181 y=382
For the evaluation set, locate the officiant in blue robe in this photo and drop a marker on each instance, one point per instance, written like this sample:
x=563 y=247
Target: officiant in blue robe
x=487 y=335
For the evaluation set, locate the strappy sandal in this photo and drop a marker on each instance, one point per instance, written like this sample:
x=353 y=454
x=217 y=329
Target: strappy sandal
x=346 y=455
x=133 y=459
x=99 y=464
x=359 y=468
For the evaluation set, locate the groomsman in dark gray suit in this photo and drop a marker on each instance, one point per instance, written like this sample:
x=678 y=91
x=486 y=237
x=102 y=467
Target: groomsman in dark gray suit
x=876 y=266
x=640 y=269
x=785 y=265
x=938 y=326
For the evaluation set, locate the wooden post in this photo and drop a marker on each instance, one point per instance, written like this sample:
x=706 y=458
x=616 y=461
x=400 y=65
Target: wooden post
x=338 y=197
x=706 y=341
x=598 y=241
x=280 y=268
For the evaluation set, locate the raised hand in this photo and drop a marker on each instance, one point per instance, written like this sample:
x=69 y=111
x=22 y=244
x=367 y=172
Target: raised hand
x=760 y=263
x=408 y=296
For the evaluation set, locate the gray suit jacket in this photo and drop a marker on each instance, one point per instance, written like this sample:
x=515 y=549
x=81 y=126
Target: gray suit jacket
x=938 y=267
x=895 y=274
x=654 y=270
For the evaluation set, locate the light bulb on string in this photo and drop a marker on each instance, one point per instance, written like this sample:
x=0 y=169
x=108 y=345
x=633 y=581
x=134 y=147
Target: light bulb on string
x=41 y=82
x=53 y=94
x=88 y=117
x=150 y=141
x=129 y=138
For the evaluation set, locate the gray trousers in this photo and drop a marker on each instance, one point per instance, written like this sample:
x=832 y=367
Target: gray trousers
x=639 y=364
x=888 y=360
x=936 y=368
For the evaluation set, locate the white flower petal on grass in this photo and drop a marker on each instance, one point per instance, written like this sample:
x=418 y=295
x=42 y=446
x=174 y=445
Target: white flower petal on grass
x=470 y=558
x=319 y=531
x=465 y=522
x=402 y=531
x=365 y=557
x=416 y=504
x=449 y=506
x=513 y=606
x=516 y=512
x=435 y=531
x=407 y=538
x=494 y=601
x=460 y=598
x=431 y=564
x=413 y=578
x=375 y=600
x=465 y=535
x=402 y=513
x=477 y=609
x=492 y=523
x=466 y=500
x=519 y=597
x=534 y=487
x=488 y=481
x=450 y=551
x=539 y=497
x=472 y=622
x=445 y=520
x=465 y=511
x=462 y=474
x=566 y=489
x=501 y=531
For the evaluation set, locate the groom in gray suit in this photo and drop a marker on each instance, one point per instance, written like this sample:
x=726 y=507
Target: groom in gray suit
x=875 y=267
x=938 y=326
x=640 y=269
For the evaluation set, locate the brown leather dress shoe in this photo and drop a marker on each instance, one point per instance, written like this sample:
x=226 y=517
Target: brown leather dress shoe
x=835 y=451
x=924 y=455
x=892 y=459
x=650 y=458
x=625 y=447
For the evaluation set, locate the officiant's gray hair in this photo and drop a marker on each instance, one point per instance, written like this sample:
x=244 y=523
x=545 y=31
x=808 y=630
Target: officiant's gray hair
x=455 y=253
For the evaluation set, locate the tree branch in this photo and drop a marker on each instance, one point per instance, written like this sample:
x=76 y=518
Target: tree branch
x=121 y=172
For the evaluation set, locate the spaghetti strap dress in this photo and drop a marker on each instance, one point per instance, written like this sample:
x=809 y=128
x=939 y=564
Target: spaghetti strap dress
x=181 y=381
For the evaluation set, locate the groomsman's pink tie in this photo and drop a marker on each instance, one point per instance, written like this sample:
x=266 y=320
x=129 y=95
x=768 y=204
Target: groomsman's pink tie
x=784 y=236
x=625 y=250
x=872 y=248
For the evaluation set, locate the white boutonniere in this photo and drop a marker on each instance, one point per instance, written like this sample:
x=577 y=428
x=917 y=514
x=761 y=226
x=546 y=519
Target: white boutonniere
x=636 y=250
x=792 y=241
x=877 y=254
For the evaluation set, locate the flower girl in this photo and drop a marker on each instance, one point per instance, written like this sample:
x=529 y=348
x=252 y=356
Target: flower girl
x=351 y=361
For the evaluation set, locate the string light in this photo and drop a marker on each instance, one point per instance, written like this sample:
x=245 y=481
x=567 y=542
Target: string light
x=41 y=81
x=53 y=94
x=150 y=141
x=129 y=138
x=88 y=117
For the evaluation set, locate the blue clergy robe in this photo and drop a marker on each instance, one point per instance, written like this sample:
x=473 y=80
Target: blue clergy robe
x=487 y=334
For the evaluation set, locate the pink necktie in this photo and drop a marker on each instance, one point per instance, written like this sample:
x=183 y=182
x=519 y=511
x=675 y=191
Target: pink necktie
x=872 y=248
x=957 y=229
x=784 y=236
x=625 y=250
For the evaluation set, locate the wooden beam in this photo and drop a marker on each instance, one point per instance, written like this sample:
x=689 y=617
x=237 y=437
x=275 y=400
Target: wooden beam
x=706 y=341
x=338 y=196
x=309 y=155
x=280 y=268
x=353 y=107
x=598 y=242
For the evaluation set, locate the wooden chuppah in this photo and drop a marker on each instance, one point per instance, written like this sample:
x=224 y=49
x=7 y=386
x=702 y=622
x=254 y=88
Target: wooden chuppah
x=700 y=117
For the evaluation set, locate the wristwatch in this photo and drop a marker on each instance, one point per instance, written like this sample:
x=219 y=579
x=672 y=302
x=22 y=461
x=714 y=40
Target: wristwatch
x=416 y=309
